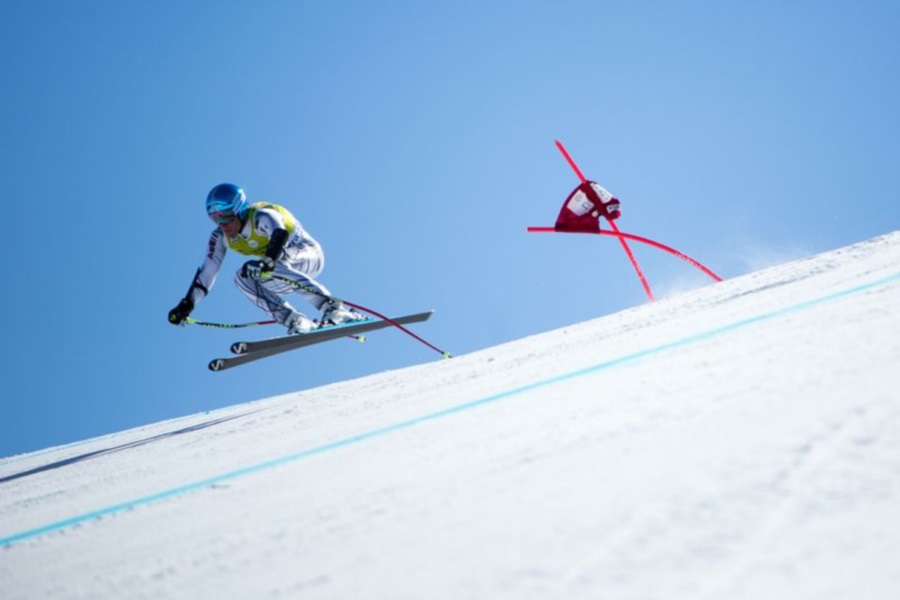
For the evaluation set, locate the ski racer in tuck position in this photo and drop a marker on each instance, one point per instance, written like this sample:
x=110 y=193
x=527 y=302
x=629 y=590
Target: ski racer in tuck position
x=279 y=246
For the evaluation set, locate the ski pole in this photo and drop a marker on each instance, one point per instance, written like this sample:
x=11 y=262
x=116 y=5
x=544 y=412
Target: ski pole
x=228 y=325
x=375 y=313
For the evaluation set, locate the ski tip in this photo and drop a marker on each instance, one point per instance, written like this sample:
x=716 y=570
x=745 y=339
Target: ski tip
x=216 y=365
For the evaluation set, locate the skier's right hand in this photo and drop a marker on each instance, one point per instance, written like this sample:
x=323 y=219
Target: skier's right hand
x=179 y=314
x=254 y=269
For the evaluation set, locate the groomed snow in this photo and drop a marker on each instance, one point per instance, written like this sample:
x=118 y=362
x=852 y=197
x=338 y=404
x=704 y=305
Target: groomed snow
x=740 y=441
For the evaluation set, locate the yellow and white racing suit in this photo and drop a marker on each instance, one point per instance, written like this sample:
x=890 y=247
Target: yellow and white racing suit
x=301 y=261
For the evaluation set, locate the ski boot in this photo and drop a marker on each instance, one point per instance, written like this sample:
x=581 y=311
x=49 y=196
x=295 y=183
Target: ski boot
x=334 y=312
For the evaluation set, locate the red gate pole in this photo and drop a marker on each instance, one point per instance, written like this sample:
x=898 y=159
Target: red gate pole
x=627 y=249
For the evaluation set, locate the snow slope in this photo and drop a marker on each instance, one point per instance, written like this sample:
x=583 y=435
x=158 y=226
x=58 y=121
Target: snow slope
x=738 y=441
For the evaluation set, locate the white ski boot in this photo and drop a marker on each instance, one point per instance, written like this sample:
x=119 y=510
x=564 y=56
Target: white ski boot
x=334 y=312
x=299 y=323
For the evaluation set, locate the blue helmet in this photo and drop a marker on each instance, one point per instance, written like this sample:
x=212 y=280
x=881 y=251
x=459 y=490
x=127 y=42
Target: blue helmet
x=225 y=202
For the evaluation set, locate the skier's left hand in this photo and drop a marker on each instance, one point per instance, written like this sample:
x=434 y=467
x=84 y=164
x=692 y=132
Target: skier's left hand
x=254 y=269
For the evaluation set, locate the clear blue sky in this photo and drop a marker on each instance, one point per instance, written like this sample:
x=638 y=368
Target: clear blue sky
x=415 y=141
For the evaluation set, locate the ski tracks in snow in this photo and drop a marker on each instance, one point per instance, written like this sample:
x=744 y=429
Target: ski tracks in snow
x=742 y=538
x=825 y=476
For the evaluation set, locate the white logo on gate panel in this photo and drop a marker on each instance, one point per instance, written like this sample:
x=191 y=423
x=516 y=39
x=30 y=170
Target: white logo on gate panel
x=605 y=196
x=579 y=204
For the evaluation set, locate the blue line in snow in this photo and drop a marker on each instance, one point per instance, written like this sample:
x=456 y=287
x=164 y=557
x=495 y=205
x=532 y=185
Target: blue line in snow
x=362 y=437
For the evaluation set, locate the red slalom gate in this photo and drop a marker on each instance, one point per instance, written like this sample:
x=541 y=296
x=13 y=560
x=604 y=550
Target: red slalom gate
x=576 y=216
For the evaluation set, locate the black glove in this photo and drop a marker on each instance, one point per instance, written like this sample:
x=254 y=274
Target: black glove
x=179 y=314
x=255 y=268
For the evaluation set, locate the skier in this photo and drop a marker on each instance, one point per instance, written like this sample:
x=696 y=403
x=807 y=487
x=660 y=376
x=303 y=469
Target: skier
x=280 y=246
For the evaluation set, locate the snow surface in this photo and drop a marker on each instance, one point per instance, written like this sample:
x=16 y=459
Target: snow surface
x=739 y=441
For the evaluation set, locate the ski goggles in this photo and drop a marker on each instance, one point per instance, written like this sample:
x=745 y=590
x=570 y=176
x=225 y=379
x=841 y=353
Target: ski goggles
x=223 y=217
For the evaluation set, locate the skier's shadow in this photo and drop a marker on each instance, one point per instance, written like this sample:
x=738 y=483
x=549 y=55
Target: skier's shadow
x=89 y=455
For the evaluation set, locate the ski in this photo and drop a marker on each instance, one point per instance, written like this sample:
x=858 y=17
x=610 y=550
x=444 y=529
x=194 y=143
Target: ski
x=251 y=351
x=327 y=333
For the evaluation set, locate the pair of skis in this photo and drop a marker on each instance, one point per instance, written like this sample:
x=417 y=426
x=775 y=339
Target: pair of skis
x=246 y=352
